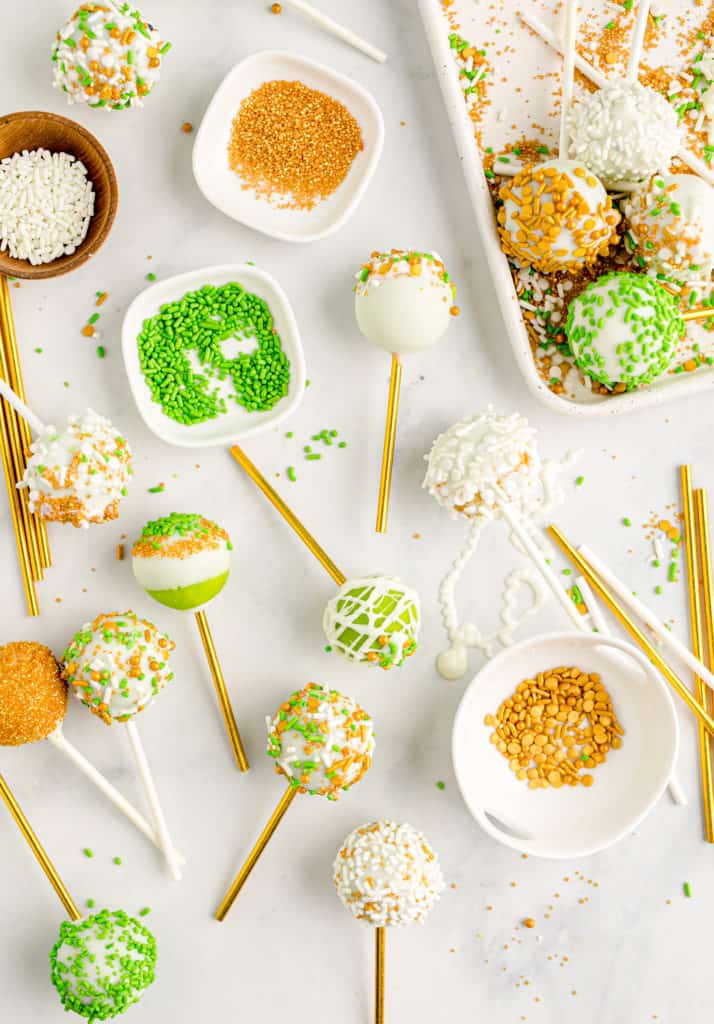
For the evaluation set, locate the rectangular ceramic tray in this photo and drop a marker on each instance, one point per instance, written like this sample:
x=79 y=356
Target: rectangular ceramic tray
x=526 y=72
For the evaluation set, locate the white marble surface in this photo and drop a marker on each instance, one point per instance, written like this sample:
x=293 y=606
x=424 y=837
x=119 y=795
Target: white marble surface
x=289 y=949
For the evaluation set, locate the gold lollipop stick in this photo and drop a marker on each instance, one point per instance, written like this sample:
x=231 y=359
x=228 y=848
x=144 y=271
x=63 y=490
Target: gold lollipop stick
x=289 y=516
x=691 y=545
x=701 y=518
x=632 y=628
x=698 y=314
x=379 y=976
x=28 y=581
x=390 y=440
x=223 y=698
x=263 y=840
x=39 y=851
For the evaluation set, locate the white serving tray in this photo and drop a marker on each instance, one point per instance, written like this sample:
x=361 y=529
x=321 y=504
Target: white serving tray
x=519 y=67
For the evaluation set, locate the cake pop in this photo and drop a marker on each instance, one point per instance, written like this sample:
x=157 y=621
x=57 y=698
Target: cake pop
x=33 y=697
x=556 y=216
x=374 y=620
x=479 y=454
x=403 y=303
x=33 y=704
x=78 y=474
x=671 y=226
x=107 y=56
x=322 y=743
x=387 y=874
x=183 y=561
x=117 y=664
x=624 y=131
x=102 y=965
x=623 y=330
x=484 y=468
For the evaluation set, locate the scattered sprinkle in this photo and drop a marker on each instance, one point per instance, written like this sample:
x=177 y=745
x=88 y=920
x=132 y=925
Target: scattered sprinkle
x=687 y=890
x=441 y=785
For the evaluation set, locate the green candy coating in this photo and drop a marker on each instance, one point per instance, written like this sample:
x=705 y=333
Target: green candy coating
x=186 y=598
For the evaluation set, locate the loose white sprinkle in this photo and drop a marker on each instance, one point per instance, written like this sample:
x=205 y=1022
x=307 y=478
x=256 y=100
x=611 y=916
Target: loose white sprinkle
x=46 y=204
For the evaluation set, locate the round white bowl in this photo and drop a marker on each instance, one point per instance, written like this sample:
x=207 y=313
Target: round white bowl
x=225 y=189
x=571 y=821
x=237 y=424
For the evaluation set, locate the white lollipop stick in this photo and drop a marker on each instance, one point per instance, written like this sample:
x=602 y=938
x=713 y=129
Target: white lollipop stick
x=597 y=78
x=638 y=40
x=60 y=741
x=152 y=796
x=337 y=30
x=674 y=786
x=35 y=423
x=649 y=618
x=536 y=556
x=571 y=30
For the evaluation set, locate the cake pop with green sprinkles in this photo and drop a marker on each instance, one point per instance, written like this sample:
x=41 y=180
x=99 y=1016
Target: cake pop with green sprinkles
x=117 y=664
x=102 y=965
x=321 y=741
x=374 y=621
x=182 y=560
x=210 y=350
x=623 y=330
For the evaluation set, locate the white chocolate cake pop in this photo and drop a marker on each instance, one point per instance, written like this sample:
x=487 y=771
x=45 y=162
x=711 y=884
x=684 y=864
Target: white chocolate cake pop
x=102 y=965
x=671 y=226
x=404 y=300
x=623 y=132
x=373 y=620
x=182 y=560
x=117 y=664
x=387 y=874
x=78 y=474
x=107 y=56
x=321 y=741
x=479 y=454
x=556 y=216
x=623 y=330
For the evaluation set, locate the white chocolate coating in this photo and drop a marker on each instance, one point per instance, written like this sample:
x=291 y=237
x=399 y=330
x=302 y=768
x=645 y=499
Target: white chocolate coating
x=78 y=474
x=387 y=874
x=671 y=218
x=479 y=454
x=373 y=620
x=623 y=132
x=403 y=301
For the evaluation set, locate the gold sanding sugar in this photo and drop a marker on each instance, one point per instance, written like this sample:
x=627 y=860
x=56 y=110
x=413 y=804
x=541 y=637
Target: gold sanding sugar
x=294 y=142
x=33 y=698
x=555 y=726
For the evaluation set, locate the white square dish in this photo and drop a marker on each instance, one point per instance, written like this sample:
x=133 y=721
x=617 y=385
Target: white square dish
x=519 y=98
x=224 y=188
x=237 y=424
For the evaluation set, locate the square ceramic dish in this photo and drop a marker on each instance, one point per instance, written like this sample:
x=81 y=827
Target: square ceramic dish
x=237 y=424
x=570 y=821
x=520 y=95
x=224 y=188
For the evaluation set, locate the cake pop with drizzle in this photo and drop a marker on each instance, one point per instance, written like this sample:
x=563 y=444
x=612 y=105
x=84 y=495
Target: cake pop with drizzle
x=374 y=620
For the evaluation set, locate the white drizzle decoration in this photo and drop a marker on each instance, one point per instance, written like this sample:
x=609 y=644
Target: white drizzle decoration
x=373 y=619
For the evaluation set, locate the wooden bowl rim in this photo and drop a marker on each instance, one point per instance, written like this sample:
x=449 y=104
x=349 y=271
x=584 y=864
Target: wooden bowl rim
x=63 y=265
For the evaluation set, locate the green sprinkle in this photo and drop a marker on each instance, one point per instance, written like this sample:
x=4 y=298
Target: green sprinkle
x=289 y=434
x=579 y=481
x=87 y=852
x=543 y=150
x=101 y=351
x=672 y=572
x=157 y=489
x=313 y=456
x=93 y=318
x=567 y=572
x=292 y=474
x=151 y=276
x=39 y=351
x=658 y=589
x=687 y=890
x=117 y=860
x=90 y=903
x=441 y=785
x=145 y=911
x=627 y=521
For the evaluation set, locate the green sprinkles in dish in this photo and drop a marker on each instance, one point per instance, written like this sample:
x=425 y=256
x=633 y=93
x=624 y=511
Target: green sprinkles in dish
x=195 y=328
x=623 y=330
x=101 y=965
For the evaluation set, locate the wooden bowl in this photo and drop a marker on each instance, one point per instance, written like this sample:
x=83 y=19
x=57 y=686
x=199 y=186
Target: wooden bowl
x=37 y=129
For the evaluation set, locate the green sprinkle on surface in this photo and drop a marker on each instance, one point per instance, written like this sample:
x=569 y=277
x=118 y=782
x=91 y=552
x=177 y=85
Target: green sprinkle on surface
x=687 y=890
x=157 y=489
x=101 y=351
x=441 y=785
x=87 y=852
x=626 y=521
x=579 y=481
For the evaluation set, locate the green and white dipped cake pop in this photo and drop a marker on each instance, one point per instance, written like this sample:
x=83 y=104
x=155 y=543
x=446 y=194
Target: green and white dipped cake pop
x=102 y=965
x=374 y=619
x=182 y=560
x=623 y=330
